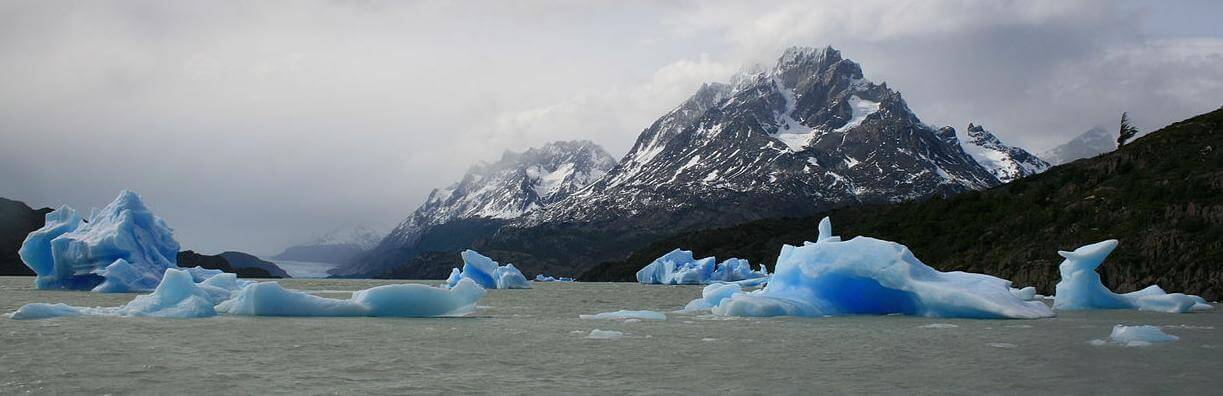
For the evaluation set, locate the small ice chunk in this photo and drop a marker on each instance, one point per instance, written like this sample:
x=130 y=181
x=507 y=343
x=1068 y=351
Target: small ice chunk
x=1080 y=287
x=545 y=278
x=488 y=273
x=597 y=334
x=1002 y=345
x=939 y=326
x=625 y=314
x=1134 y=336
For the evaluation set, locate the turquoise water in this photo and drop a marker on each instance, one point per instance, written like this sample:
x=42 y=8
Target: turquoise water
x=531 y=341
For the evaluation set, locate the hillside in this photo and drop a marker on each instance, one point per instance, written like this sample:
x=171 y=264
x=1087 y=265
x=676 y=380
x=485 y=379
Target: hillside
x=1160 y=195
x=16 y=221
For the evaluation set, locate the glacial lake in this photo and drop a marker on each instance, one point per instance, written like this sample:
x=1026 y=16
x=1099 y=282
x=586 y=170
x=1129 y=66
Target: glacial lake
x=531 y=341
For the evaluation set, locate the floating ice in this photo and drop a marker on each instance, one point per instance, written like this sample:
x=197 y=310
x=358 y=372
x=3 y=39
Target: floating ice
x=488 y=273
x=625 y=314
x=1139 y=335
x=939 y=326
x=177 y=296
x=543 y=278
x=399 y=300
x=1080 y=287
x=679 y=268
x=871 y=276
x=122 y=248
x=597 y=334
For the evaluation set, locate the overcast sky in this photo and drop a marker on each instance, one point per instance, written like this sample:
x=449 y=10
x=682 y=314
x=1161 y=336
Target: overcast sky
x=253 y=125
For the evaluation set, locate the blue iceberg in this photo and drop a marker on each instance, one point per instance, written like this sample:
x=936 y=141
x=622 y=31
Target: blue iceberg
x=678 y=267
x=868 y=276
x=176 y=296
x=122 y=248
x=1081 y=289
x=713 y=295
x=398 y=300
x=488 y=273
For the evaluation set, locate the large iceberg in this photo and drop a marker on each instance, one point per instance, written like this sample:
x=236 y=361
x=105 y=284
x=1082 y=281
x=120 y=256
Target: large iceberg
x=399 y=300
x=1080 y=287
x=678 y=267
x=122 y=248
x=487 y=273
x=871 y=276
x=176 y=296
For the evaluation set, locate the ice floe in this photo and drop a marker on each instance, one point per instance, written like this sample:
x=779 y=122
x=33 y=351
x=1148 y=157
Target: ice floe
x=545 y=278
x=597 y=334
x=1080 y=287
x=876 y=277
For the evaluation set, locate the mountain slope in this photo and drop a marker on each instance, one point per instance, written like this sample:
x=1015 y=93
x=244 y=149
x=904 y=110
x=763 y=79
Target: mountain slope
x=1089 y=144
x=337 y=246
x=16 y=221
x=487 y=197
x=806 y=135
x=1006 y=163
x=1160 y=195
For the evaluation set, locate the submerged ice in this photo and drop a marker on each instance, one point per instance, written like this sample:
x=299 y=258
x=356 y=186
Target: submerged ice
x=1080 y=287
x=487 y=273
x=869 y=276
x=626 y=314
x=679 y=268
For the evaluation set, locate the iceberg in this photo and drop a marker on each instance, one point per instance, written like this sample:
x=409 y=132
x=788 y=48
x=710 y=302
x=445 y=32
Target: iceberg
x=398 y=300
x=176 y=296
x=1134 y=336
x=870 y=276
x=625 y=314
x=121 y=248
x=1080 y=287
x=544 y=278
x=678 y=267
x=488 y=273
x=713 y=295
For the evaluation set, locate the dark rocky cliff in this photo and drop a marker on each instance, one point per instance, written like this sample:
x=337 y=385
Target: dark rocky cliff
x=16 y=221
x=1161 y=196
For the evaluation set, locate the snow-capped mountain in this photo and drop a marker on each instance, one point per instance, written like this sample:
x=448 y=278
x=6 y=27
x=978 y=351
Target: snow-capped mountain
x=337 y=246
x=808 y=134
x=1005 y=162
x=1094 y=142
x=489 y=195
